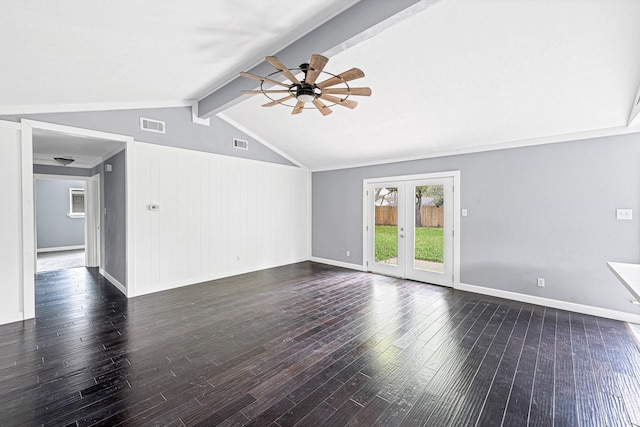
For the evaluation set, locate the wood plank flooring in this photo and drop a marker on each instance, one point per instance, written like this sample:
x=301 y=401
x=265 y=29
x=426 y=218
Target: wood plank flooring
x=307 y=345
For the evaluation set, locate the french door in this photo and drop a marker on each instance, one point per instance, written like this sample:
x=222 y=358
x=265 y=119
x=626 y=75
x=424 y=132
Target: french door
x=410 y=228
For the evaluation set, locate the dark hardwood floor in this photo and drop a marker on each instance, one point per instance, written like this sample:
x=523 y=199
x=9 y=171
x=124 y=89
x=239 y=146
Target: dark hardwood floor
x=309 y=344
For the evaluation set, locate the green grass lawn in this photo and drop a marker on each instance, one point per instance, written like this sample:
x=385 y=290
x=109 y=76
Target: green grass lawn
x=429 y=243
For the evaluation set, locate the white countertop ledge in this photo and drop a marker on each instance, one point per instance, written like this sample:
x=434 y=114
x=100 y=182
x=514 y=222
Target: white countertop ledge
x=629 y=275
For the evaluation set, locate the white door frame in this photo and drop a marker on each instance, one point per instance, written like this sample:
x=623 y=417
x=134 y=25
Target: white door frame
x=366 y=245
x=28 y=232
x=92 y=224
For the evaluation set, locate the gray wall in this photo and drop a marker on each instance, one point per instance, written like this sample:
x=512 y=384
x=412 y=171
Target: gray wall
x=60 y=170
x=53 y=226
x=114 y=224
x=180 y=131
x=542 y=211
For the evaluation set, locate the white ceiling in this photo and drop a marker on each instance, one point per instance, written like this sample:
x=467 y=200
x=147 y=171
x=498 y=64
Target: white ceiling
x=464 y=75
x=87 y=54
x=458 y=76
x=86 y=152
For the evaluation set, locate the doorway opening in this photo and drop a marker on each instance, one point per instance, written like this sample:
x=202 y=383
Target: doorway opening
x=411 y=225
x=67 y=221
x=74 y=196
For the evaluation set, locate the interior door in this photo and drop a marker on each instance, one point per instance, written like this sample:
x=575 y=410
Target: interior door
x=410 y=229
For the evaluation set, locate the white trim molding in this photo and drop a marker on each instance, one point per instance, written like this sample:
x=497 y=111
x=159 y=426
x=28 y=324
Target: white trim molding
x=83 y=107
x=210 y=277
x=122 y=288
x=130 y=215
x=61 y=248
x=598 y=133
x=36 y=124
x=195 y=116
x=12 y=317
x=634 y=114
x=334 y=263
x=548 y=302
x=29 y=256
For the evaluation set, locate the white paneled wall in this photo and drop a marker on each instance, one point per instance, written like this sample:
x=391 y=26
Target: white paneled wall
x=11 y=283
x=218 y=216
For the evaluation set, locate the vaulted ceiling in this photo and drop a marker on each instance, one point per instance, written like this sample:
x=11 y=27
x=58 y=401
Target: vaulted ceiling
x=447 y=76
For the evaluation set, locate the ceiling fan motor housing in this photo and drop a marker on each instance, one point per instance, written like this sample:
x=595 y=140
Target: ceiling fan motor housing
x=305 y=92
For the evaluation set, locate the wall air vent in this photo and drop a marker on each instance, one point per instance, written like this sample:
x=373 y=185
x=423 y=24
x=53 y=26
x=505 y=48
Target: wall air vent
x=152 y=125
x=240 y=144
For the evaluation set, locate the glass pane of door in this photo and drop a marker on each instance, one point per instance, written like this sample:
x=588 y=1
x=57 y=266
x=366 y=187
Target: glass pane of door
x=385 y=242
x=428 y=251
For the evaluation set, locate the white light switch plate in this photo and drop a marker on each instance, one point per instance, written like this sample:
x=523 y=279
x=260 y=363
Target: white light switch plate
x=624 y=214
x=464 y=212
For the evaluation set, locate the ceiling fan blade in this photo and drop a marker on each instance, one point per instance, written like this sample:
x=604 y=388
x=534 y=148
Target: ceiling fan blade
x=352 y=74
x=339 y=101
x=298 y=108
x=316 y=65
x=263 y=79
x=282 y=68
x=322 y=107
x=361 y=91
x=277 y=101
x=252 y=92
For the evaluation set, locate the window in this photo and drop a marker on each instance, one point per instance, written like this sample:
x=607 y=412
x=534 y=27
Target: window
x=76 y=203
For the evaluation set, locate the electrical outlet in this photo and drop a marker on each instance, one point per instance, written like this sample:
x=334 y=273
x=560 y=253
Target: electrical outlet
x=348 y=253
x=541 y=282
x=624 y=214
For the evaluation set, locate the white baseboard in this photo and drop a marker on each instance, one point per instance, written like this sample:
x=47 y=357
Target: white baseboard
x=548 y=302
x=11 y=317
x=207 y=278
x=114 y=282
x=61 y=248
x=337 y=263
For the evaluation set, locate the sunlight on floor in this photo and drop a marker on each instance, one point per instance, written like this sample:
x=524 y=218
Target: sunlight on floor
x=60 y=260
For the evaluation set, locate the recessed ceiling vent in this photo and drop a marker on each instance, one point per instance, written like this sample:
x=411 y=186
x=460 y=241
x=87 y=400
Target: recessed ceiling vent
x=240 y=144
x=152 y=125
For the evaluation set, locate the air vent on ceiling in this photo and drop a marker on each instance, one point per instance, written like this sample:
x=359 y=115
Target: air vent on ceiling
x=240 y=144
x=152 y=125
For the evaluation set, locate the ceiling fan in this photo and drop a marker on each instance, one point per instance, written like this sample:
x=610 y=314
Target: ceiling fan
x=307 y=90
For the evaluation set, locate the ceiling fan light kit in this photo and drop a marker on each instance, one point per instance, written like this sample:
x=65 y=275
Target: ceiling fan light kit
x=307 y=90
x=64 y=161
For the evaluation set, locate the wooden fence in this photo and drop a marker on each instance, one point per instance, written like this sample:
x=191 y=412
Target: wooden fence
x=431 y=216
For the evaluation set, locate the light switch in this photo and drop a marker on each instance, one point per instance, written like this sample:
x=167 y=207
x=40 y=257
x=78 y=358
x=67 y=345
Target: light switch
x=464 y=212
x=624 y=214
